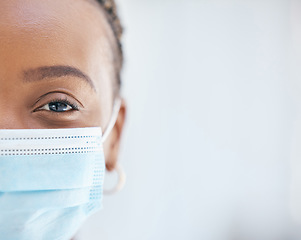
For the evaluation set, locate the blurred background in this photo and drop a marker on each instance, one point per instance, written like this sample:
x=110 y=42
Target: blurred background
x=213 y=136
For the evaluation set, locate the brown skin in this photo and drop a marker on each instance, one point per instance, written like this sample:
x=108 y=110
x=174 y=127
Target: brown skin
x=38 y=40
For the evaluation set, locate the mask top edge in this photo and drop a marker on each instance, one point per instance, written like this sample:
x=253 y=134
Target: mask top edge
x=93 y=131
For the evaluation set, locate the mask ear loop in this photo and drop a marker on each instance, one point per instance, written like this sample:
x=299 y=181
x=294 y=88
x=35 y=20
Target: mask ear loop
x=114 y=116
x=118 y=168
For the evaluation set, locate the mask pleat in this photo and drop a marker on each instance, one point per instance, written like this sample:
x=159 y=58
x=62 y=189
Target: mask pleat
x=51 y=180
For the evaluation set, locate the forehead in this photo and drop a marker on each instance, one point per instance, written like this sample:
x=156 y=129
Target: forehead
x=38 y=33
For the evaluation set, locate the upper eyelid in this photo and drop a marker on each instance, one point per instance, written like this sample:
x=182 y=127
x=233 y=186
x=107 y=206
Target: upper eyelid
x=60 y=92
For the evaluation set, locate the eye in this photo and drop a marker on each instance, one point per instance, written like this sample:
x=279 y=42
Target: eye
x=59 y=106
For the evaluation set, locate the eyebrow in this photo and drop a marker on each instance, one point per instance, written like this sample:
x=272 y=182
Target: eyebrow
x=42 y=73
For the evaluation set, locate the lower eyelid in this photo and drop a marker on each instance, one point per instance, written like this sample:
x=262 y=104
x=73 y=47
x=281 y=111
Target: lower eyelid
x=54 y=119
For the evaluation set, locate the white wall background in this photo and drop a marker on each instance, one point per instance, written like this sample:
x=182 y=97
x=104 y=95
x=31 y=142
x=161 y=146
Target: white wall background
x=211 y=147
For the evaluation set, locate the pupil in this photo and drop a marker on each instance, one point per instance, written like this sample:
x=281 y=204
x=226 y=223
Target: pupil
x=58 y=107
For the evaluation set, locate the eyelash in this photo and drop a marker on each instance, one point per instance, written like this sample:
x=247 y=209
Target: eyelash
x=64 y=101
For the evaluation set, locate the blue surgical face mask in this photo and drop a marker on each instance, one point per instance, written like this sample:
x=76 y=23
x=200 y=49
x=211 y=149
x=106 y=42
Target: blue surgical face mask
x=51 y=180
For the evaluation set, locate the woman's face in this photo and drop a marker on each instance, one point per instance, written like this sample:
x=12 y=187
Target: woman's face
x=57 y=67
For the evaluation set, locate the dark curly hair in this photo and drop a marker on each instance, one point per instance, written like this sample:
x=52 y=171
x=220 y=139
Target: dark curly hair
x=109 y=6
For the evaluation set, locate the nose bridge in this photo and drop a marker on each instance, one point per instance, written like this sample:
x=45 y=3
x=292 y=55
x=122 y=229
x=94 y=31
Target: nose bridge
x=9 y=120
x=10 y=115
x=12 y=103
